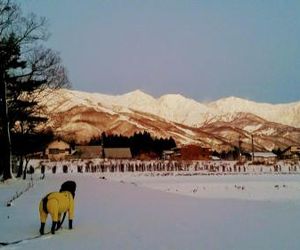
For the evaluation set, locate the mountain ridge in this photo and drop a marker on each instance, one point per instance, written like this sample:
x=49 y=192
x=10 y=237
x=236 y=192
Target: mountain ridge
x=219 y=124
x=192 y=113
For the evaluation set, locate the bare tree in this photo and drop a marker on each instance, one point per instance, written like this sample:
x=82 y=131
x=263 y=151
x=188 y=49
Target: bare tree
x=26 y=70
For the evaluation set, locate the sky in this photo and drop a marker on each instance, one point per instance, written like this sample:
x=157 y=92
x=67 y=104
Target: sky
x=204 y=50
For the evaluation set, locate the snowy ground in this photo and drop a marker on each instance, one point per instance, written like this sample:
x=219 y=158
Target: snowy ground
x=145 y=212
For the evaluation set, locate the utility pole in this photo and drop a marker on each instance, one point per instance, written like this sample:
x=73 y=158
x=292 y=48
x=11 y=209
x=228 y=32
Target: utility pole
x=102 y=145
x=252 y=143
x=240 y=144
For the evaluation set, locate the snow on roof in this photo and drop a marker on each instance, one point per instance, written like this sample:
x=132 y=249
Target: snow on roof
x=215 y=158
x=264 y=154
x=118 y=153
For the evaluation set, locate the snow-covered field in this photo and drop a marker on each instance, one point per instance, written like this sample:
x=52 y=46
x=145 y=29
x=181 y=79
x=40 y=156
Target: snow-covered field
x=144 y=211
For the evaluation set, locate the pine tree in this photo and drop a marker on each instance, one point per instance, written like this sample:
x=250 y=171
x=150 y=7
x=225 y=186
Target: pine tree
x=25 y=70
x=9 y=61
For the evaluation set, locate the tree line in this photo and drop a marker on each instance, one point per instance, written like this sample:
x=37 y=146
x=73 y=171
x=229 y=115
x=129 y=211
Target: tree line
x=233 y=154
x=139 y=143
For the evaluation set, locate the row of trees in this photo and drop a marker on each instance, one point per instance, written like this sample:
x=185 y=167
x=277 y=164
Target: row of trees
x=278 y=152
x=139 y=142
x=234 y=154
x=26 y=70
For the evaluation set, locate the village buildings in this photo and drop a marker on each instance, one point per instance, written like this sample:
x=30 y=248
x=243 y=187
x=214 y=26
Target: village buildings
x=292 y=152
x=61 y=150
x=188 y=152
x=88 y=152
x=264 y=158
x=58 y=150
x=117 y=153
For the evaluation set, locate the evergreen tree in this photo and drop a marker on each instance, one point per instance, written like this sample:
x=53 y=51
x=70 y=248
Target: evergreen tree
x=139 y=143
x=9 y=55
x=278 y=152
x=25 y=70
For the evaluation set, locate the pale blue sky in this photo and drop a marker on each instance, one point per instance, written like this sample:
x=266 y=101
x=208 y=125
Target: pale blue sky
x=201 y=49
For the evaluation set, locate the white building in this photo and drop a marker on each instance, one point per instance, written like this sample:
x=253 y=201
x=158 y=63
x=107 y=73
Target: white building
x=57 y=150
x=265 y=157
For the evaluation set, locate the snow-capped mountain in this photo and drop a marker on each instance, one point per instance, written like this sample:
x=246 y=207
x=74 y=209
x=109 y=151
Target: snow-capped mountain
x=219 y=124
x=288 y=114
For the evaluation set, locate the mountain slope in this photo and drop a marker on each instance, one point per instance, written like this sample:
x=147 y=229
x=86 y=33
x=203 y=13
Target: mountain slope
x=220 y=125
x=288 y=114
x=178 y=108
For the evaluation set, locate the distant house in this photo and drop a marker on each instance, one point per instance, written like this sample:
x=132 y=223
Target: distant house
x=171 y=154
x=292 y=152
x=88 y=152
x=117 y=153
x=264 y=157
x=188 y=152
x=195 y=152
x=57 y=150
